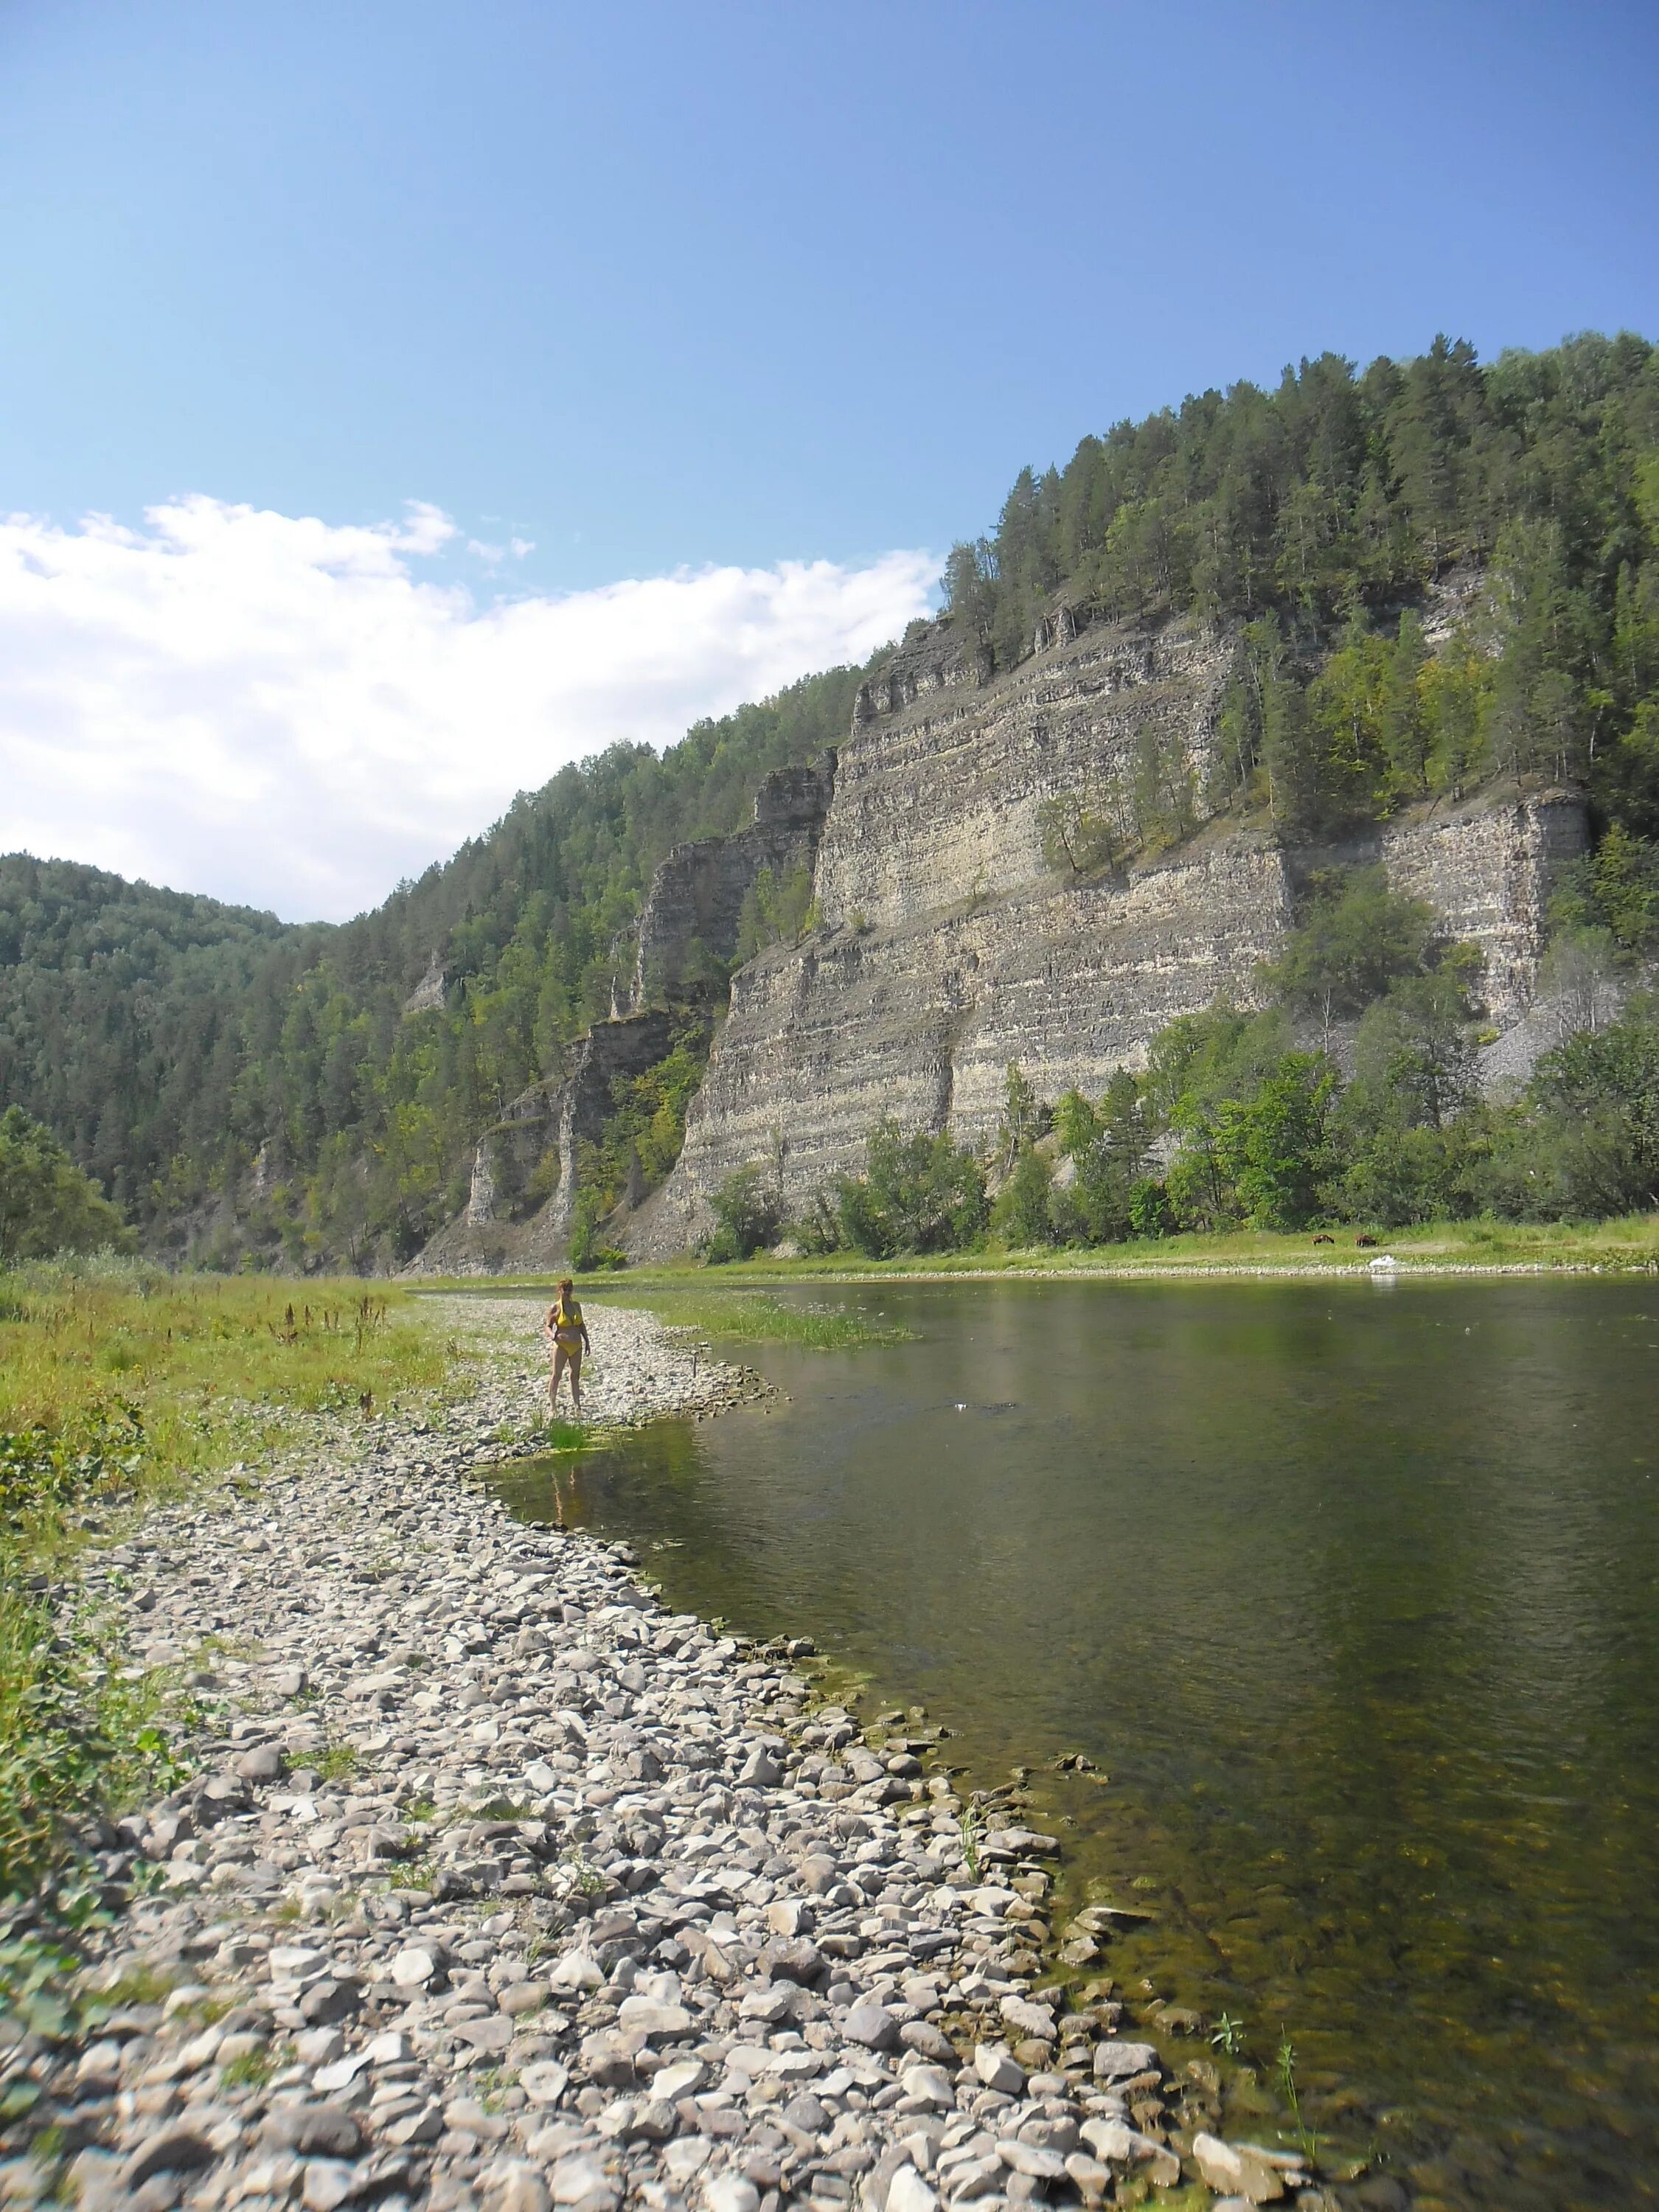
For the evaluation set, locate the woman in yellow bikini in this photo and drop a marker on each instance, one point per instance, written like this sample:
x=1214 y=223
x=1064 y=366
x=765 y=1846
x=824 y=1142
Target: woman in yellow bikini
x=567 y=1332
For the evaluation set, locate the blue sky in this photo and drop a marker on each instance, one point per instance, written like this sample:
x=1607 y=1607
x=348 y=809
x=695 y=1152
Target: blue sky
x=664 y=284
x=628 y=290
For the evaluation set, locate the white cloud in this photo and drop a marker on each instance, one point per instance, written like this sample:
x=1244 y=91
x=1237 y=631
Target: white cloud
x=285 y=712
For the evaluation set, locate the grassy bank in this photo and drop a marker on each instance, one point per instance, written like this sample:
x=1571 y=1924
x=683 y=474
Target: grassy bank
x=732 y=1318
x=1632 y=1242
x=118 y=1386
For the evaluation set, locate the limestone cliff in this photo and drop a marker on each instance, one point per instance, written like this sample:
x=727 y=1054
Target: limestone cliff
x=948 y=947
x=698 y=894
x=519 y=1212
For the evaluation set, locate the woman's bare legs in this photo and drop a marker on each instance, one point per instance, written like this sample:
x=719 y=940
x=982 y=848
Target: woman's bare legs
x=563 y=1360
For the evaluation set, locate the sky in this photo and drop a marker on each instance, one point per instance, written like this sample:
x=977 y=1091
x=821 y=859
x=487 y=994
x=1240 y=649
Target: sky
x=397 y=401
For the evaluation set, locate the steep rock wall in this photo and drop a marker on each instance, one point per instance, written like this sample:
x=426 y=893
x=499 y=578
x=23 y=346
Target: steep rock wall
x=921 y=1021
x=521 y=1205
x=697 y=893
x=937 y=790
x=949 y=949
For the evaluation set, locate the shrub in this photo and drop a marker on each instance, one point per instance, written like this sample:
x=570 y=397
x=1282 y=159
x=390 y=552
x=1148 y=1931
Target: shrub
x=47 y=1204
x=749 y=1209
x=1023 y=1213
x=918 y=1193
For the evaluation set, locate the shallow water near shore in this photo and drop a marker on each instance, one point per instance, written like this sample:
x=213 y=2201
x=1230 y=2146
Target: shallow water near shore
x=1353 y=1593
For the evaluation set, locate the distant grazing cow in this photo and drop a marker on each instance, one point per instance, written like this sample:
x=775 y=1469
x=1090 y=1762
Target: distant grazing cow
x=1362 y=1240
x=1322 y=1239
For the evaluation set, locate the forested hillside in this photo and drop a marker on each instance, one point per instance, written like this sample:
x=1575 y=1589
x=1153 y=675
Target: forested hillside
x=1312 y=517
x=167 y=1039
x=119 y=1013
x=1433 y=574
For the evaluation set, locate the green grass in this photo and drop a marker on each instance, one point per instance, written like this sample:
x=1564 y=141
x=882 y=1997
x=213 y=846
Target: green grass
x=121 y=1386
x=743 y=1317
x=703 y=1296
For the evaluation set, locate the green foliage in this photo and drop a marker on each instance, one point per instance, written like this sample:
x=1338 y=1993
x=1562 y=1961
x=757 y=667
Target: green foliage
x=1271 y=1149
x=1023 y=1214
x=1414 y=1051
x=1023 y=1117
x=1284 y=2075
x=639 y=1143
x=918 y=1193
x=47 y=1204
x=170 y=1042
x=99 y=1449
x=1352 y=938
x=1311 y=519
x=777 y=911
x=1108 y=1150
x=1585 y=1144
x=73 y=1738
x=1616 y=890
x=1079 y=834
x=748 y=1210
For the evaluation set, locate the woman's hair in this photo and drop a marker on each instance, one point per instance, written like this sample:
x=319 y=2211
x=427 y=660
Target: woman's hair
x=566 y=1283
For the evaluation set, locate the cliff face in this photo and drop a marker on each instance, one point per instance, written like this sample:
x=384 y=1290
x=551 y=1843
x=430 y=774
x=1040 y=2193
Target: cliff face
x=949 y=948
x=937 y=788
x=698 y=894
x=523 y=1199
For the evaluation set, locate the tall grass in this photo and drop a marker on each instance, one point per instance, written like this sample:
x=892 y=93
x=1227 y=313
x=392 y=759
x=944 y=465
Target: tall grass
x=120 y=1385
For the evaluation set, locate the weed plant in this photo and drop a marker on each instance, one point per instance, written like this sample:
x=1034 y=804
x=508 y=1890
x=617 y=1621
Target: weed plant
x=119 y=1386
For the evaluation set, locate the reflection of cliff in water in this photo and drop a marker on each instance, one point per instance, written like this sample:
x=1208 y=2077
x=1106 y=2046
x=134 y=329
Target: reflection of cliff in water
x=1350 y=1595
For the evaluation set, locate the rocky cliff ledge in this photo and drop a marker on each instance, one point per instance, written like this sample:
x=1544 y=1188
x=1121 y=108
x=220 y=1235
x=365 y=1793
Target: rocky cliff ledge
x=949 y=947
x=522 y=1203
x=698 y=894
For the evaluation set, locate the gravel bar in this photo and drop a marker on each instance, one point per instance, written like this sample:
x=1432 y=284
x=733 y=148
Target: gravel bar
x=496 y=1884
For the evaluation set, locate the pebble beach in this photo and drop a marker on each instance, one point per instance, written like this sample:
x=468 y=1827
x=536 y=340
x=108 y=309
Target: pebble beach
x=491 y=1882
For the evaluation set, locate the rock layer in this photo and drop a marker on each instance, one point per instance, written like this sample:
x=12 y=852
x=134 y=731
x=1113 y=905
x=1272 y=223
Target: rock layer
x=697 y=893
x=920 y=1019
x=523 y=1199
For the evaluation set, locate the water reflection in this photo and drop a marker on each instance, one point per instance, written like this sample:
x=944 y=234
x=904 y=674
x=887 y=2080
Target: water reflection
x=1353 y=1597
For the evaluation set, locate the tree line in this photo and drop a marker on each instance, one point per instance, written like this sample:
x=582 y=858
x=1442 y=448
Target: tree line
x=1309 y=522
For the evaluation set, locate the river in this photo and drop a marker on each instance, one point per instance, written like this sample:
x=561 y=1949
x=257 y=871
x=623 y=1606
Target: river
x=1350 y=1594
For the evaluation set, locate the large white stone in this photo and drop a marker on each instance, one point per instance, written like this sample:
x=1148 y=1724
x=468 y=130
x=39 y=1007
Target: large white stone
x=909 y=2192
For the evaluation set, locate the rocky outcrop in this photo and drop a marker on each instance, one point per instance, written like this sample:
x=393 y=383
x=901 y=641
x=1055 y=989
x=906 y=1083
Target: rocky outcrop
x=920 y=1021
x=948 y=948
x=1488 y=871
x=937 y=796
x=521 y=1205
x=693 y=912
x=428 y=995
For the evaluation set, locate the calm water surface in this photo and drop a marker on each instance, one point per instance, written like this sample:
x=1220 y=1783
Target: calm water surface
x=1351 y=1591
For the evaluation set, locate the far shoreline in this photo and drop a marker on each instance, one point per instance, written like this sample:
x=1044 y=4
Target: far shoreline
x=1498 y=1250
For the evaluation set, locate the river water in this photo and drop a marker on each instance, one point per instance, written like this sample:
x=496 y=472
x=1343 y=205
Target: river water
x=1351 y=1594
